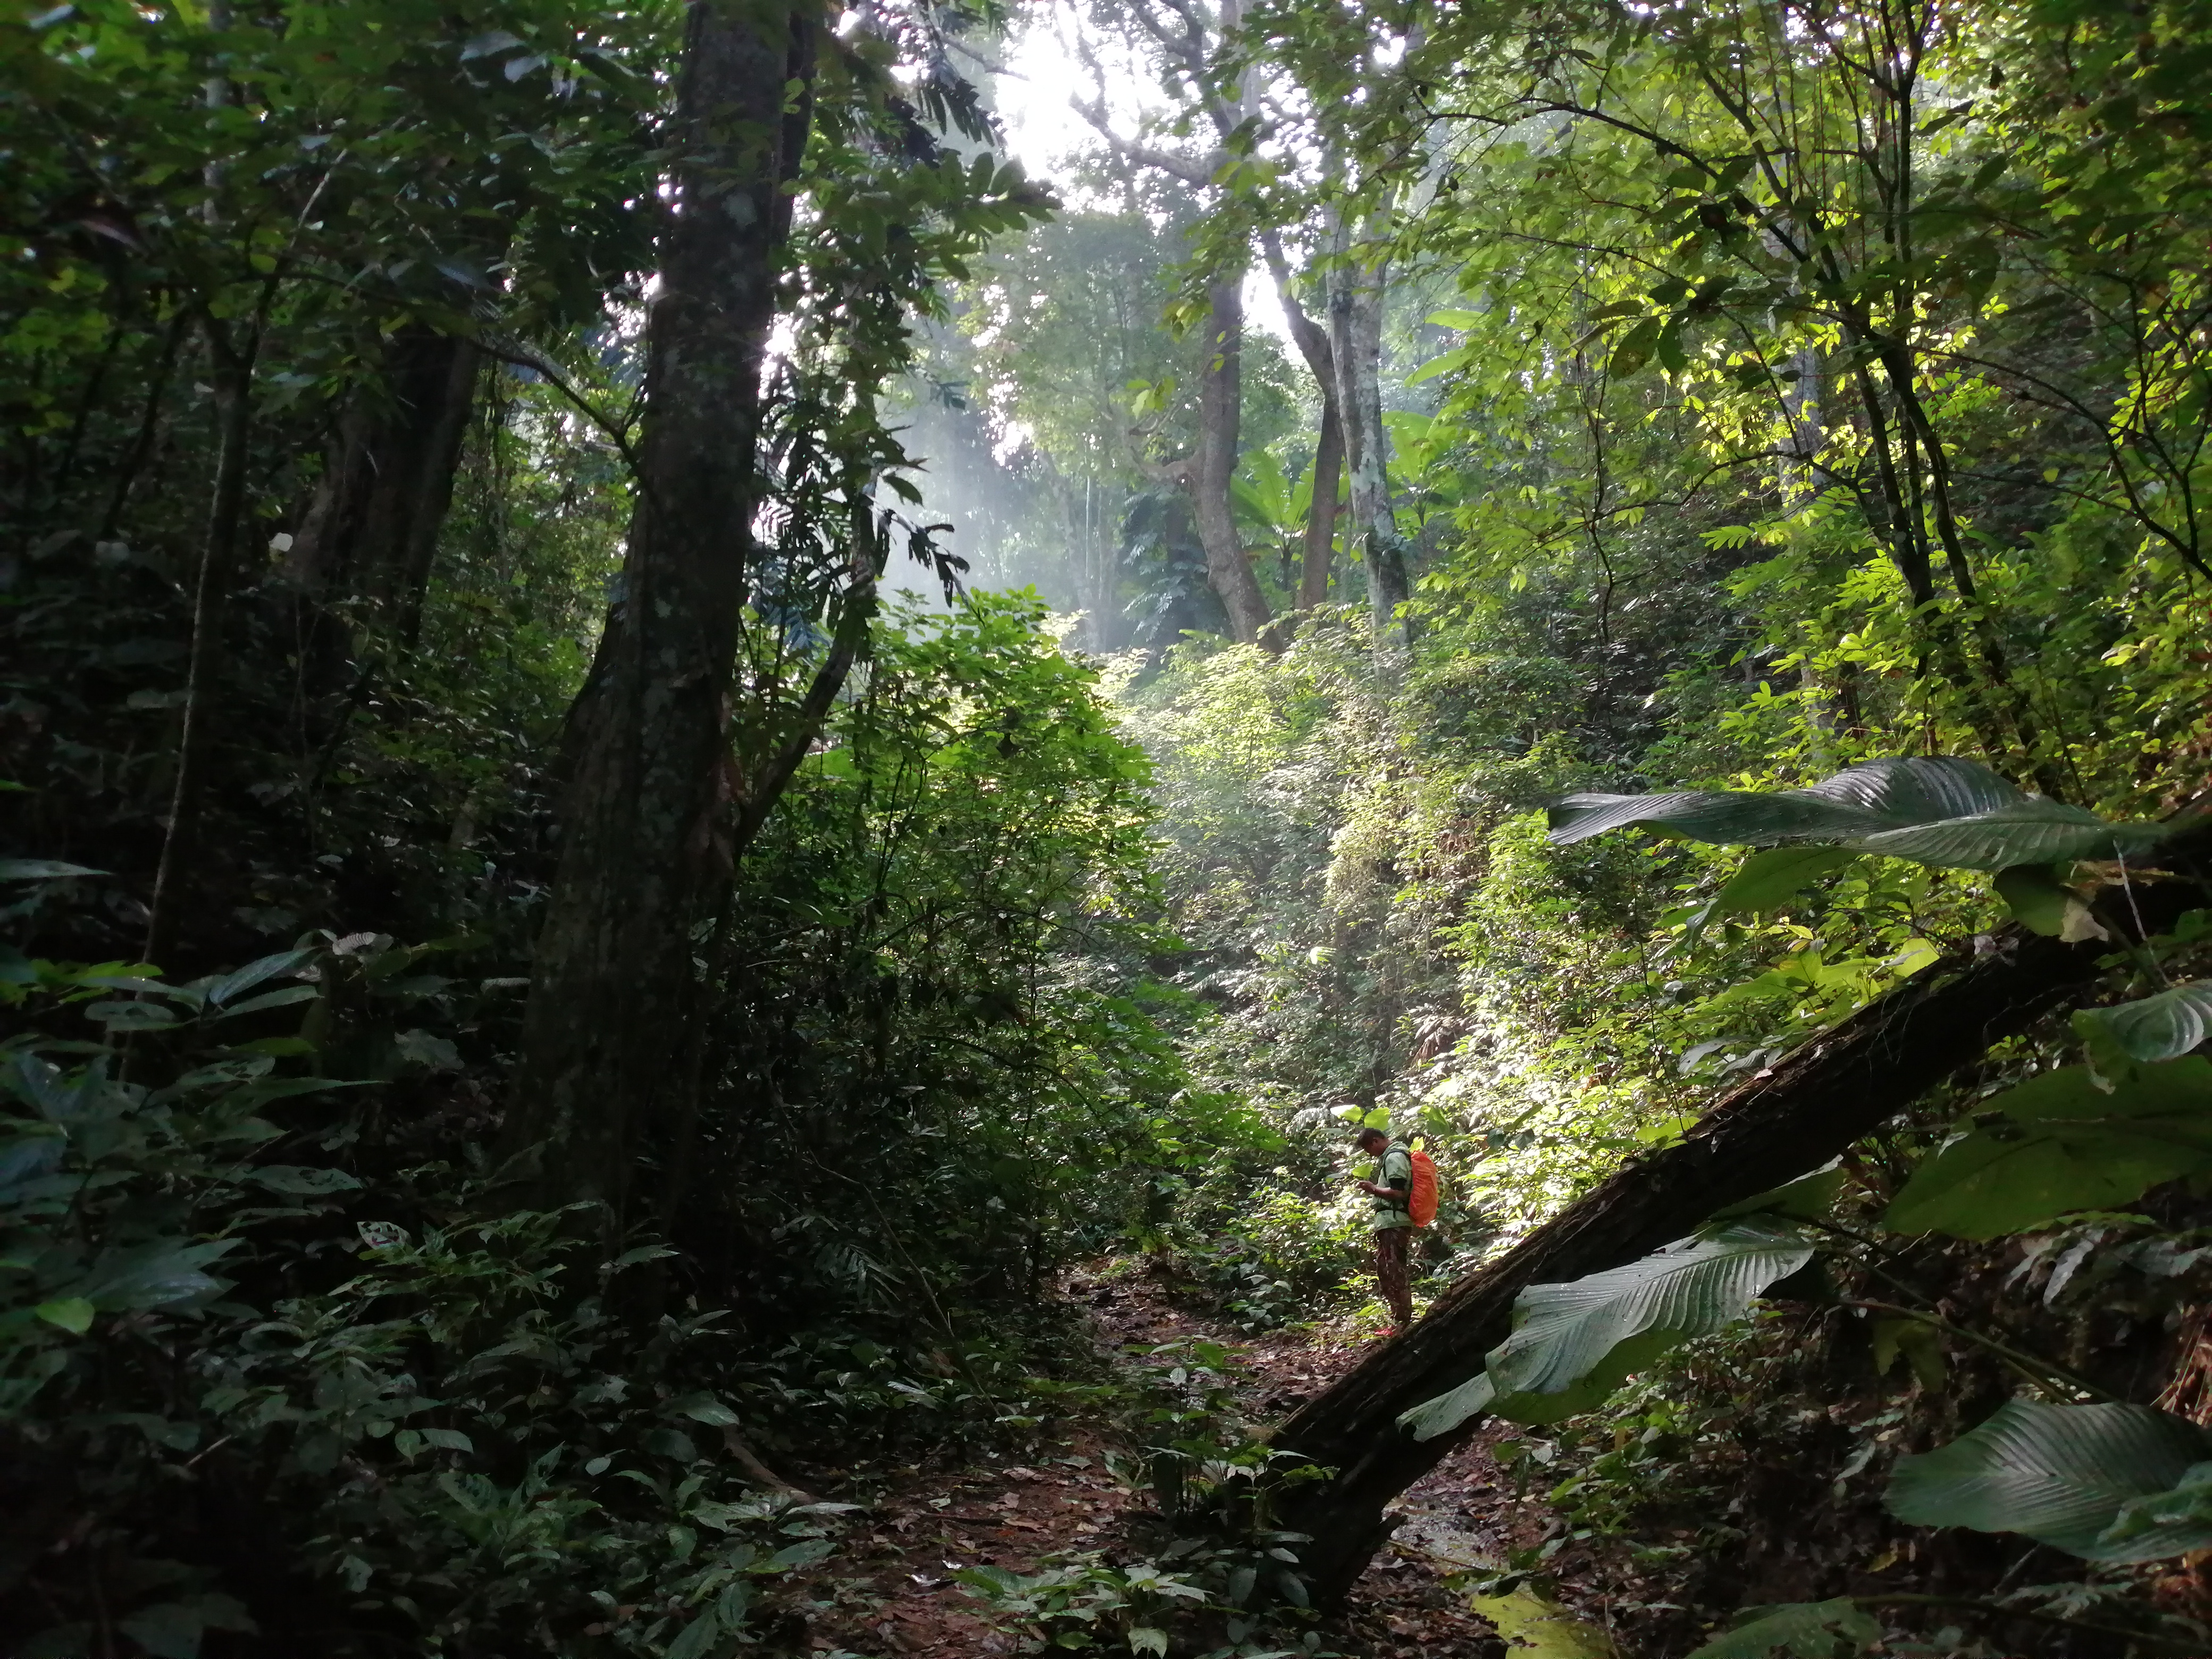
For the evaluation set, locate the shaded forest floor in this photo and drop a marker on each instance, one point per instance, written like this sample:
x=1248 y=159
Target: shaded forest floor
x=890 y=1590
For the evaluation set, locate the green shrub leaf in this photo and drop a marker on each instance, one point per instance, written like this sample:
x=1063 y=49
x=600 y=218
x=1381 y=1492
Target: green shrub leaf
x=1809 y=1629
x=2154 y=1027
x=1772 y=878
x=2063 y=1475
x=2059 y=1143
x=72 y=1313
x=2042 y=903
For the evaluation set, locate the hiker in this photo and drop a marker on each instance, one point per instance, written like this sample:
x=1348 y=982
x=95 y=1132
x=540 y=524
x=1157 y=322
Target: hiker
x=1393 y=1223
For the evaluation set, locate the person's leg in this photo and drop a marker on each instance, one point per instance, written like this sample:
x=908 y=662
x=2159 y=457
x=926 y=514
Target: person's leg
x=1391 y=1275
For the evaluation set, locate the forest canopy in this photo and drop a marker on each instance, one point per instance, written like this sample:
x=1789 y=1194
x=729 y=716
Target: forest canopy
x=735 y=737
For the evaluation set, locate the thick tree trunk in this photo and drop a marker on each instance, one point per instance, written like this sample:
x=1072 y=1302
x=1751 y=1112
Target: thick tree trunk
x=1220 y=394
x=372 y=525
x=1812 y=1105
x=1355 y=316
x=644 y=854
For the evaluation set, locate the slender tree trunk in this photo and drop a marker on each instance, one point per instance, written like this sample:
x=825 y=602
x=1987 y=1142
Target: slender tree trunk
x=230 y=372
x=644 y=854
x=149 y=425
x=1313 y=343
x=1809 y=1107
x=1220 y=396
x=1321 y=517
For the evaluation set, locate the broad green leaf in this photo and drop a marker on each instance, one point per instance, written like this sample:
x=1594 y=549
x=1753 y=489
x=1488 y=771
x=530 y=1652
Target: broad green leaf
x=280 y=999
x=2060 y=1475
x=2042 y=903
x=2187 y=1506
x=131 y=1016
x=72 y=1313
x=1446 y=1412
x=42 y=870
x=1456 y=319
x=1806 y=1199
x=300 y=1178
x=2154 y=1027
x=2062 y=1145
x=696 y=1639
x=1445 y=364
x=1941 y=810
x=1588 y=1393
x=1921 y=1345
x=151 y=1276
x=2032 y=831
x=1771 y=879
x=703 y=1407
x=1574 y=1344
x=260 y=971
x=1689 y=1288
x=1810 y=1630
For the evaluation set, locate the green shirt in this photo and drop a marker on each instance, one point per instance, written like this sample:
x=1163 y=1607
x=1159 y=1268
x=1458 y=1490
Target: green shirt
x=1394 y=1169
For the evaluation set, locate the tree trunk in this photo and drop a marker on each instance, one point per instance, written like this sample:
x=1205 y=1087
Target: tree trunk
x=1355 y=317
x=1813 y=1104
x=1321 y=517
x=1220 y=394
x=643 y=849
x=372 y=527
x=1313 y=343
x=230 y=370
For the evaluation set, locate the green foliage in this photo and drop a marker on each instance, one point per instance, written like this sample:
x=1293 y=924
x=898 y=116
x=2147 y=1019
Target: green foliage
x=1087 y=1605
x=2057 y=1142
x=1948 y=812
x=1811 y=1630
x=2155 y=1028
x=1573 y=1345
x=2108 y=1483
x=456 y=1437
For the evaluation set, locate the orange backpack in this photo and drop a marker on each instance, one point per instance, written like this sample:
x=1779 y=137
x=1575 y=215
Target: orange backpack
x=1421 y=1200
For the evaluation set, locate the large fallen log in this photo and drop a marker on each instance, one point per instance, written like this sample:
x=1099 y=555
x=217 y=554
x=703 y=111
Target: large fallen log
x=1791 y=1119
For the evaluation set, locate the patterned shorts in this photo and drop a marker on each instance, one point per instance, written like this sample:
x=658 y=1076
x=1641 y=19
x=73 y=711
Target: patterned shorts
x=1392 y=1247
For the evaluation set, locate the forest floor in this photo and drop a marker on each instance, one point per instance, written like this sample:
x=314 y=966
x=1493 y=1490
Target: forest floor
x=890 y=1590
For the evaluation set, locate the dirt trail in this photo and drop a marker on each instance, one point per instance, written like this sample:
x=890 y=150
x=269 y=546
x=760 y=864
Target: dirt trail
x=888 y=1591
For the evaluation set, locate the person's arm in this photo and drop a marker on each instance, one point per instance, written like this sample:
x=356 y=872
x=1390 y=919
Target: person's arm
x=1398 y=1189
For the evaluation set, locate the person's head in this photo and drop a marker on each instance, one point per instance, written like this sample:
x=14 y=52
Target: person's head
x=1371 y=1142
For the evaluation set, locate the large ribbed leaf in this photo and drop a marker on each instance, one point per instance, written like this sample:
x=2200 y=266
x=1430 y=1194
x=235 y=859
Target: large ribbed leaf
x=1448 y=1411
x=2033 y=831
x=1574 y=1344
x=1563 y=1332
x=1811 y=1630
x=2061 y=1144
x=2062 y=1475
x=2155 y=1028
x=1860 y=801
x=1941 y=810
x=1733 y=817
